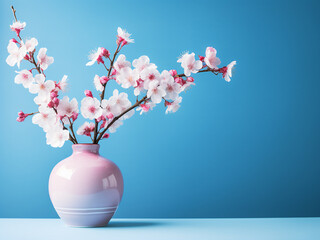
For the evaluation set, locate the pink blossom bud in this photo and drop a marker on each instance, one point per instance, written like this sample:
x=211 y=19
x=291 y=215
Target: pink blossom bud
x=100 y=60
x=53 y=94
x=22 y=116
x=106 y=135
x=167 y=103
x=74 y=116
x=19 y=119
x=145 y=107
x=179 y=80
x=124 y=42
x=50 y=104
x=88 y=93
x=223 y=70
x=103 y=124
x=110 y=116
x=27 y=57
x=105 y=52
x=101 y=118
x=55 y=101
x=173 y=72
x=190 y=79
x=104 y=80
x=201 y=58
x=119 y=40
x=17 y=30
x=14 y=40
x=114 y=72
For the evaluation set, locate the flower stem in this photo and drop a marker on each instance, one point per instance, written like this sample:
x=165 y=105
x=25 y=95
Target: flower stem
x=95 y=140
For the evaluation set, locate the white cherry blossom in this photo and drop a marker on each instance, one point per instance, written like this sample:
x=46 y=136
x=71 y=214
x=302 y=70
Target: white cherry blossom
x=67 y=108
x=43 y=59
x=127 y=77
x=228 y=73
x=16 y=54
x=169 y=85
x=97 y=83
x=119 y=102
x=139 y=87
x=41 y=86
x=30 y=44
x=121 y=63
x=156 y=92
x=42 y=100
x=148 y=75
x=95 y=56
x=18 y=26
x=210 y=59
x=90 y=108
x=56 y=135
x=124 y=36
x=190 y=64
x=46 y=118
x=142 y=62
x=63 y=84
x=109 y=106
x=173 y=106
x=25 y=78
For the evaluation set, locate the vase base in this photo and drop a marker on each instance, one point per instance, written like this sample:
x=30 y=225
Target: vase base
x=85 y=219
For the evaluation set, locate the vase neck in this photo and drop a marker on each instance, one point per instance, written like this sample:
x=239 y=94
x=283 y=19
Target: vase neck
x=88 y=148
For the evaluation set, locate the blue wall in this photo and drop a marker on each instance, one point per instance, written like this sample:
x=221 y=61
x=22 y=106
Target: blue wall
x=249 y=148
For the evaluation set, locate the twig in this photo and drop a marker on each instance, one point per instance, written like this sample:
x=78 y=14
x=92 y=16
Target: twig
x=119 y=116
x=103 y=92
x=14 y=13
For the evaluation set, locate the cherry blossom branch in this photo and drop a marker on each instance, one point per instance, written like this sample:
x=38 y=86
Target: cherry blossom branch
x=103 y=91
x=204 y=70
x=119 y=116
x=72 y=137
x=140 y=102
x=65 y=128
x=71 y=128
x=35 y=64
x=14 y=13
x=110 y=69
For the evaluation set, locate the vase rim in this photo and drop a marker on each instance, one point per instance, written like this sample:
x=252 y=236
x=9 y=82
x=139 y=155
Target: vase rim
x=85 y=144
x=86 y=147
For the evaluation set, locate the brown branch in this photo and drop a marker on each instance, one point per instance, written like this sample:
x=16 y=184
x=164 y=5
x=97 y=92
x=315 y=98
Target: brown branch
x=119 y=116
x=103 y=92
x=204 y=70
x=71 y=128
x=64 y=127
x=14 y=13
x=35 y=64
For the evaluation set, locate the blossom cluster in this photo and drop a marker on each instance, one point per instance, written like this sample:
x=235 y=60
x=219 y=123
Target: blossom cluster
x=56 y=115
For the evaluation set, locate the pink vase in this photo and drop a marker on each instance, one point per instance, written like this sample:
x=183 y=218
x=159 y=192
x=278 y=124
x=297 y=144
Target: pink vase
x=85 y=188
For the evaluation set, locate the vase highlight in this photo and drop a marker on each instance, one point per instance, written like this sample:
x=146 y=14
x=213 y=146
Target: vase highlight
x=85 y=188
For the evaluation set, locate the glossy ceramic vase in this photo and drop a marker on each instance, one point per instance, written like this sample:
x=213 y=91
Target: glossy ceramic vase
x=85 y=188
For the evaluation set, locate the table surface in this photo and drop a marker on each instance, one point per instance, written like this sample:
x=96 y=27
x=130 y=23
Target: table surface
x=154 y=229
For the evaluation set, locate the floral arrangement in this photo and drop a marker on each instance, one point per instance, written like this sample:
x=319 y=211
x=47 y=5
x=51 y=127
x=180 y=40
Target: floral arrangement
x=56 y=115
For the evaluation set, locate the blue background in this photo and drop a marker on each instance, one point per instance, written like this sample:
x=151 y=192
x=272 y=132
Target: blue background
x=248 y=148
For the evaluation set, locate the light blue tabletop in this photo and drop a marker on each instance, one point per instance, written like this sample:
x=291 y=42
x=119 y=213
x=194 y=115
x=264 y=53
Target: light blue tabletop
x=154 y=229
